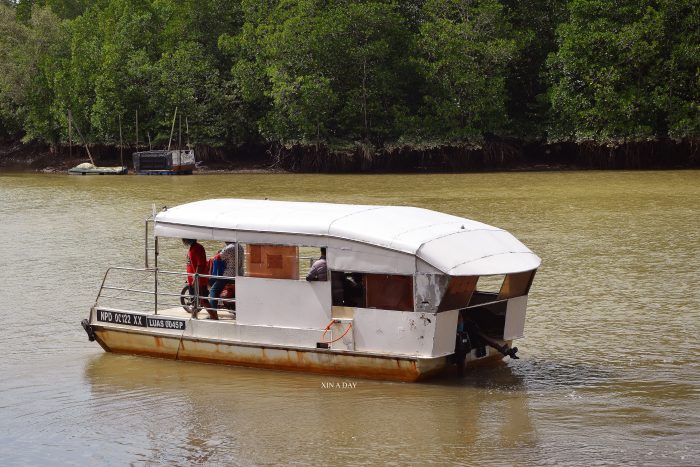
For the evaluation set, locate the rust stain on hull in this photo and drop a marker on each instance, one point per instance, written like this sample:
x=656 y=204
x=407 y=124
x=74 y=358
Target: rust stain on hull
x=313 y=361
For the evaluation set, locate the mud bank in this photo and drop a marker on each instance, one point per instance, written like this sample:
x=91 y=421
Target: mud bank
x=40 y=157
x=491 y=156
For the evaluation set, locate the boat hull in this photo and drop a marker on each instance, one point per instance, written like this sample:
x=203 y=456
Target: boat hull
x=99 y=171
x=321 y=361
x=177 y=170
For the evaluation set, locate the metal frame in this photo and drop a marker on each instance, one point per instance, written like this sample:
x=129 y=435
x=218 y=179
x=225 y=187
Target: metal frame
x=151 y=220
x=156 y=272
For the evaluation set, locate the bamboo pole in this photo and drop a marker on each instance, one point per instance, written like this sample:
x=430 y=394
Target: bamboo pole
x=85 y=143
x=179 y=134
x=172 y=129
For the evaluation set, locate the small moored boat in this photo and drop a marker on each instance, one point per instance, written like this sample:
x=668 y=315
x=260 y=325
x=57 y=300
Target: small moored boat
x=409 y=293
x=164 y=162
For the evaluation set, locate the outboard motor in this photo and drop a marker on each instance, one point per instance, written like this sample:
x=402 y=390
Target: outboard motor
x=470 y=337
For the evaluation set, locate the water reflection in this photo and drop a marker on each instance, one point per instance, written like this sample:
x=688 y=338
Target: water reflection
x=212 y=412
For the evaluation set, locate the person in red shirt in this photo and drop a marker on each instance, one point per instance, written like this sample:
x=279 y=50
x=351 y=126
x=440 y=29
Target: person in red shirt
x=197 y=263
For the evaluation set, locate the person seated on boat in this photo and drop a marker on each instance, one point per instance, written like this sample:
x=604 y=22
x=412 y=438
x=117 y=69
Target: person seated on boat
x=224 y=265
x=197 y=264
x=319 y=270
x=216 y=284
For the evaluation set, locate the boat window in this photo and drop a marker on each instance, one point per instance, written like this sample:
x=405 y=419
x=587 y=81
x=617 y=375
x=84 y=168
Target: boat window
x=271 y=261
x=308 y=255
x=490 y=284
x=389 y=292
x=487 y=289
x=348 y=289
x=459 y=292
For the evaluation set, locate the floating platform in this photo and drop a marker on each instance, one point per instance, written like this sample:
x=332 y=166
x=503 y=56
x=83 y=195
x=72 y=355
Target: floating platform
x=87 y=168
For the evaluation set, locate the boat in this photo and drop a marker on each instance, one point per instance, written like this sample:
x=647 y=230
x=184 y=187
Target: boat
x=409 y=293
x=164 y=162
x=86 y=168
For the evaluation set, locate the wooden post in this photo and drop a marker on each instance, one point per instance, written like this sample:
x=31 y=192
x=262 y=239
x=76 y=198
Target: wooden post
x=137 y=129
x=172 y=129
x=70 y=135
x=121 y=147
x=85 y=143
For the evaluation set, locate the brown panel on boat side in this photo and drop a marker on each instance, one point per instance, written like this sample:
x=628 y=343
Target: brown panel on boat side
x=272 y=261
x=459 y=292
x=516 y=285
x=389 y=292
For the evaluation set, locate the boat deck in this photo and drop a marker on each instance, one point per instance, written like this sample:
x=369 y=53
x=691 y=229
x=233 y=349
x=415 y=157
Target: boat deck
x=179 y=312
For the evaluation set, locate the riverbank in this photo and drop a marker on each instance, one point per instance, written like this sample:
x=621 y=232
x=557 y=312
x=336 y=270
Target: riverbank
x=38 y=157
x=491 y=156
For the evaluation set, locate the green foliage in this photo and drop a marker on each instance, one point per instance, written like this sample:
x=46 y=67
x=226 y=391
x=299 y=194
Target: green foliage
x=682 y=68
x=136 y=56
x=62 y=8
x=126 y=68
x=363 y=47
x=32 y=53
x=464 y=50
x=368 y=72
x=323 y=70
x=626 y=71
x=12 y=83
x=534 y=24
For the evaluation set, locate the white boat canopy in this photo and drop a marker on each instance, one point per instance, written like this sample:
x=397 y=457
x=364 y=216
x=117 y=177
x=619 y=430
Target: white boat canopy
x=452 y=245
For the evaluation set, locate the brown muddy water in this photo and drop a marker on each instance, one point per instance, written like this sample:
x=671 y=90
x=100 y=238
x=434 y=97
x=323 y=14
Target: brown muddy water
x=609 y=370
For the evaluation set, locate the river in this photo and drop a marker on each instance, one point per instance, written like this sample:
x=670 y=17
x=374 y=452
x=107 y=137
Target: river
x=608 y=374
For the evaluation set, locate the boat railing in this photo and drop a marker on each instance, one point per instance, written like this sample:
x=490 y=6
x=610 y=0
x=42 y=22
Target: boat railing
x=152 y=289
x=487 y=304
